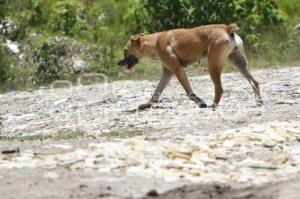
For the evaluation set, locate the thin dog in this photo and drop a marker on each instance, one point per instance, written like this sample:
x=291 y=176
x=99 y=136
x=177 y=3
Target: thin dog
x=177 y=48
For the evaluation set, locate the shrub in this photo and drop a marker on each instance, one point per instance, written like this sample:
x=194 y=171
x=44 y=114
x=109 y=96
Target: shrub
x=33 y=14
x=5 y=63
x=48 y=66
x=291 y=10
x=3 y=7
x=64 y=16
x=252 y=15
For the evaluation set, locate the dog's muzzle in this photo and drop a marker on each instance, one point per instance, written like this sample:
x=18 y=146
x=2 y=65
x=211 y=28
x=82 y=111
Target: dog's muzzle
x=128 y=62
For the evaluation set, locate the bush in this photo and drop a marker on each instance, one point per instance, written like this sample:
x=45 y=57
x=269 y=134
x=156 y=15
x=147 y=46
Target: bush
x=48 y=66
x=3 y=7
x=5 y=63
x=252 y=15
x=64 y=16
x=291 y=10
x=33 y=14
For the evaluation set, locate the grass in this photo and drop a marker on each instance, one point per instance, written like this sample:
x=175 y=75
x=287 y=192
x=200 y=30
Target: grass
x=69 y=135
x=145 y=70
x=57 y=136
x=124 y=133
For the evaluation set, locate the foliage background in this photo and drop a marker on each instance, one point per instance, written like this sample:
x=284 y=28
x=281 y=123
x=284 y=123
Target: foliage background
x=105 y=25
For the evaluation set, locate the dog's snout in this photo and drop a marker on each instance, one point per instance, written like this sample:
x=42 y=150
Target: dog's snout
x=125 y=53
x=122 y=62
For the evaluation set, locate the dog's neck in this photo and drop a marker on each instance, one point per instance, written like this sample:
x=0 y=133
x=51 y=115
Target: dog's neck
x=149 y=45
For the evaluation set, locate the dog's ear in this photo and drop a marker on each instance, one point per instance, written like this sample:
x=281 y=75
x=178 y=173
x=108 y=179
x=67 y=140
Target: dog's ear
x=232 y=28
x=136 y=39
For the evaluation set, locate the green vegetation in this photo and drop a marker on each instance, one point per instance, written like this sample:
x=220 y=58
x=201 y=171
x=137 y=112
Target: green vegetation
x=252 y=15
x=69 y=135
x=57 y=136
x=291 y=11
x=96 y=31
x=5 y=64
x=125 y=133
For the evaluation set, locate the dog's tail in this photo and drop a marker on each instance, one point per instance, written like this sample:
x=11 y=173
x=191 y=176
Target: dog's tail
x=232 y=28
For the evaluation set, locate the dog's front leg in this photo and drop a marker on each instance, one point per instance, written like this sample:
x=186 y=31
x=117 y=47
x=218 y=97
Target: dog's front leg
x=170 y=60
x=181 y=75
x=164 y=80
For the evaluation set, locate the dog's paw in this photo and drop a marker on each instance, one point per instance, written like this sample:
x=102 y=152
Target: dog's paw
x=202 y=105
x=259 y=102
x=145 y=106
x=213 y=106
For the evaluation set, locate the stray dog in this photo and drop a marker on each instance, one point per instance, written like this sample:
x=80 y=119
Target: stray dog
x=177 y=48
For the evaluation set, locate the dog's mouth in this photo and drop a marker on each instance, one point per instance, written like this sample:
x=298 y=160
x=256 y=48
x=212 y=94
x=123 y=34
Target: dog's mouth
x=128 y=62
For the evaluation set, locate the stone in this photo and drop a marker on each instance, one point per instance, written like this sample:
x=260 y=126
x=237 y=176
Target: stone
x=79 y=65
x=175 y=142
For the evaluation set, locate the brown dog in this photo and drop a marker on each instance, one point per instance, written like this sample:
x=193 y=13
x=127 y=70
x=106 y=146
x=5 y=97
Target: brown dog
x=178 y=48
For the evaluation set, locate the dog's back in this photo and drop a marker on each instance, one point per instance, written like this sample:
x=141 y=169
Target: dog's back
x=191 y=45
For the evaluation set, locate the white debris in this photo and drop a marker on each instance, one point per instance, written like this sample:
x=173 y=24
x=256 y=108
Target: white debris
x=18 y=165
x=60 y=146
x=58 y=102
x=244 y=158
x=12 y=46
x=79 y=65
x=51 y=175
x=184 y=143
x=297 y=28
x=21 y=56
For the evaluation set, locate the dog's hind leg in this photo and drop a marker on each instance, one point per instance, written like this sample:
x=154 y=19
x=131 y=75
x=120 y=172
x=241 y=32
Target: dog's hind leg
x=215 y=74
x=216 y=56
x=164 y=80
x=239 y=59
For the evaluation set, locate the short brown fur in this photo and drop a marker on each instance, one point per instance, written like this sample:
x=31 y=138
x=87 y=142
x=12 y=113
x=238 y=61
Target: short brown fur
x=178 y=48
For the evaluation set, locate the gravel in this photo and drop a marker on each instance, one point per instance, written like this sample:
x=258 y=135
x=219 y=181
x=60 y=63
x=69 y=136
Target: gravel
x=174 y=150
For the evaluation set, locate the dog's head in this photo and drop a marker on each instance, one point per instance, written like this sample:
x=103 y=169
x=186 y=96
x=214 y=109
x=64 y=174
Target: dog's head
x=132 y=52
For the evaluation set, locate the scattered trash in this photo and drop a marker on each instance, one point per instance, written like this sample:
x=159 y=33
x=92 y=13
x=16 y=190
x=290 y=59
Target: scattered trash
x=174 y=152
x=51 y=175
x=255 y=164
x=12 y=46
x=238 y=155
x=188 y=144
x=10 y=151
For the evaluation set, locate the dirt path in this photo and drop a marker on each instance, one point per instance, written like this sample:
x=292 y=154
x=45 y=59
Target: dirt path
x=89 y=141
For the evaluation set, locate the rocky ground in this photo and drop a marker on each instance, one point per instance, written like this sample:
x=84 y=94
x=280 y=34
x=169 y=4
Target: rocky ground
x=90 y=141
